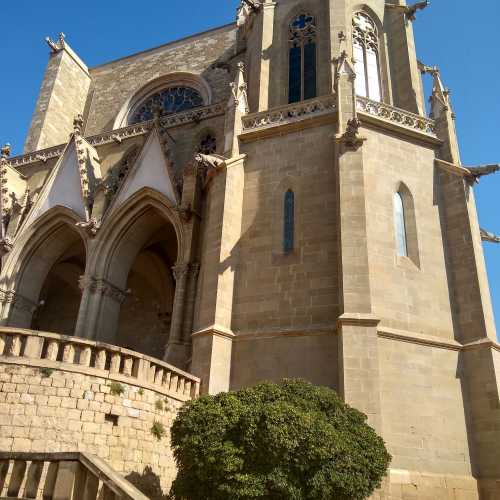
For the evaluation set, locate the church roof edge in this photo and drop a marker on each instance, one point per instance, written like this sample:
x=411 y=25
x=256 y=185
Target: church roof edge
x=173 y=42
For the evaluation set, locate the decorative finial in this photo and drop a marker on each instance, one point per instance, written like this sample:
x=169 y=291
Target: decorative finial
x=78 y=124
x=5 y=151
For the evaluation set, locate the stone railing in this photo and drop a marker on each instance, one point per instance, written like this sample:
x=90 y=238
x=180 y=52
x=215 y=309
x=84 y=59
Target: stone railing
x=289 y=114
x=395 y=115
x=62 y=476
x=118 y=135
x=59 y=352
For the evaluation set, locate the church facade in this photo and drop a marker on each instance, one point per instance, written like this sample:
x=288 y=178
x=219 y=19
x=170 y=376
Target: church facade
x=266 y=200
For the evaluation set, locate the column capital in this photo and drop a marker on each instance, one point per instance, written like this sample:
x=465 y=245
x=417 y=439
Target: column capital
x=17 y=300
x=103 y=287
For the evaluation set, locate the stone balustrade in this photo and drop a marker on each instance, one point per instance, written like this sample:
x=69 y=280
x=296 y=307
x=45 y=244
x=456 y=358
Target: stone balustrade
x=395 y=115
x=289 y=114
x=62 y=476
x=27 y=347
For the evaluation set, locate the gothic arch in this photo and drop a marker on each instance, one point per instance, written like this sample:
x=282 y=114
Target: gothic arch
x=191 y=80
x=145 y=224
x=51 y=240
x=410 y=222
x=385 y=80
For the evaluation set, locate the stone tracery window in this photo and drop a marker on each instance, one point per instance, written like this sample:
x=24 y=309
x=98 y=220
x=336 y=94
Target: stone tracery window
x=302 y=58
x=167 y=101
x=366 y=56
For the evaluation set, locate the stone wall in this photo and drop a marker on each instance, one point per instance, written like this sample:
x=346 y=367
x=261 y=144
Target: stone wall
x=60 y=411
x=63 y=96
x=116 y=82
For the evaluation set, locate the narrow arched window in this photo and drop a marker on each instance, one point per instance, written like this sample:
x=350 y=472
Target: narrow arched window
x=400 y=225
x=289 y=221
x=302 y=59
x=366 y=56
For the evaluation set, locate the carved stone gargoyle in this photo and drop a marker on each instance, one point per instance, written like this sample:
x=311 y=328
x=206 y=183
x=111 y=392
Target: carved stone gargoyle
x=351 y=137
x=490 y=237
x=409 y=11
x=212 y=164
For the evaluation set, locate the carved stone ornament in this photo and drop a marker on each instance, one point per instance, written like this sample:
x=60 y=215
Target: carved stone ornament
x=103 y=287
x=351 y=137
x=56 y=47
x=239 y=90
x=481 y=171
x=409 y=11
x=210 y=165
x=245 y=11
x=17 y=301
x=489 y=237
x=91 y=227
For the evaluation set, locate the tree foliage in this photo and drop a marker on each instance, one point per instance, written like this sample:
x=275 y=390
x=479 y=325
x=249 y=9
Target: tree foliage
x=287 y=441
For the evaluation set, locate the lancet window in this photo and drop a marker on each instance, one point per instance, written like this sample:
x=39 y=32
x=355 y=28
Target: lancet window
x=166 y=102
x=400 y=225
x=302 y=58
x=289 y=222
x=366 y=53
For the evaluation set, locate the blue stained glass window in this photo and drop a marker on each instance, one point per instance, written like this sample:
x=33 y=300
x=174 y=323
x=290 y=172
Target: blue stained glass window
x=167 y=101
x=295 y=75
x=302 y=59
x=289 y=222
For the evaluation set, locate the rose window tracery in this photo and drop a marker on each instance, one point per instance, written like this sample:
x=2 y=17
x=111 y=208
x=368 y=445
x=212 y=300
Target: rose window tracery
x=166 y=102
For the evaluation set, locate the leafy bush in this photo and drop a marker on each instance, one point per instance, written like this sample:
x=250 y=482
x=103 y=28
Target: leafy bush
x=158 y=430
x=116 y=389
x=288 y=441
x=46 y=372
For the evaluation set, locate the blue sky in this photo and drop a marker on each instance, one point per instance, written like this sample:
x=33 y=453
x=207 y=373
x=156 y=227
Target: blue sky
x=461 y=40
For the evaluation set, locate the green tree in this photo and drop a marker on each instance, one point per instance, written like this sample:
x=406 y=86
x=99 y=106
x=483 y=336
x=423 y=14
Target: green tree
x=287 y=441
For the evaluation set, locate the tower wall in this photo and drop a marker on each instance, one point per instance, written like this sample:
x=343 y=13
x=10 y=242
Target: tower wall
x=63 y=96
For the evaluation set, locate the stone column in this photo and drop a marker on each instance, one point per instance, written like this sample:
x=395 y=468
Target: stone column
x=176 y=348
x=357 y=326
x=190 y=302
x=100 y=309
x=212 y=341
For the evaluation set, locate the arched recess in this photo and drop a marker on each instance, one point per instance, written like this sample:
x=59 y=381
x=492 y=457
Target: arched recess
x=409 y=222
x=40 y=278
x=176 y=79
x=130 y=286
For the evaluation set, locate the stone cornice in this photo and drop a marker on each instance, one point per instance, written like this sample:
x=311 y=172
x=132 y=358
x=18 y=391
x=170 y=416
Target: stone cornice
x=215 y=330
x=418 y=338
x=119 y=135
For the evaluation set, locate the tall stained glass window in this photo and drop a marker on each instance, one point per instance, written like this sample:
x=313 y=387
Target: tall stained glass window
x=400 y=226
x=366 y=56
x=166 y=102
x=302 y=58
x=289 y=222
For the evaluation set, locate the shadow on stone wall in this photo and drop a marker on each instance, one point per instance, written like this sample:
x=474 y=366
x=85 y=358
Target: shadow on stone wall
x=148 y=483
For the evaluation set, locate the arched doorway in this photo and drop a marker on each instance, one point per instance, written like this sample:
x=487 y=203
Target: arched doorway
x=146 y=314
x=60 y=296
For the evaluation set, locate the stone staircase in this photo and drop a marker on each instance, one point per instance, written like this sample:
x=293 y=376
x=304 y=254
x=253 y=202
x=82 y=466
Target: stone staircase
x=61 y=476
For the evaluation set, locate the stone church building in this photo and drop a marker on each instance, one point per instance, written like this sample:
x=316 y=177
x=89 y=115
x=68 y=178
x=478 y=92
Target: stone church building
x=264 y=200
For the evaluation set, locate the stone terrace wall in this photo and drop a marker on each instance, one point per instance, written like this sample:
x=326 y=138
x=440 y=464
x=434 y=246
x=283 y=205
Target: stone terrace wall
x=48 y=405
